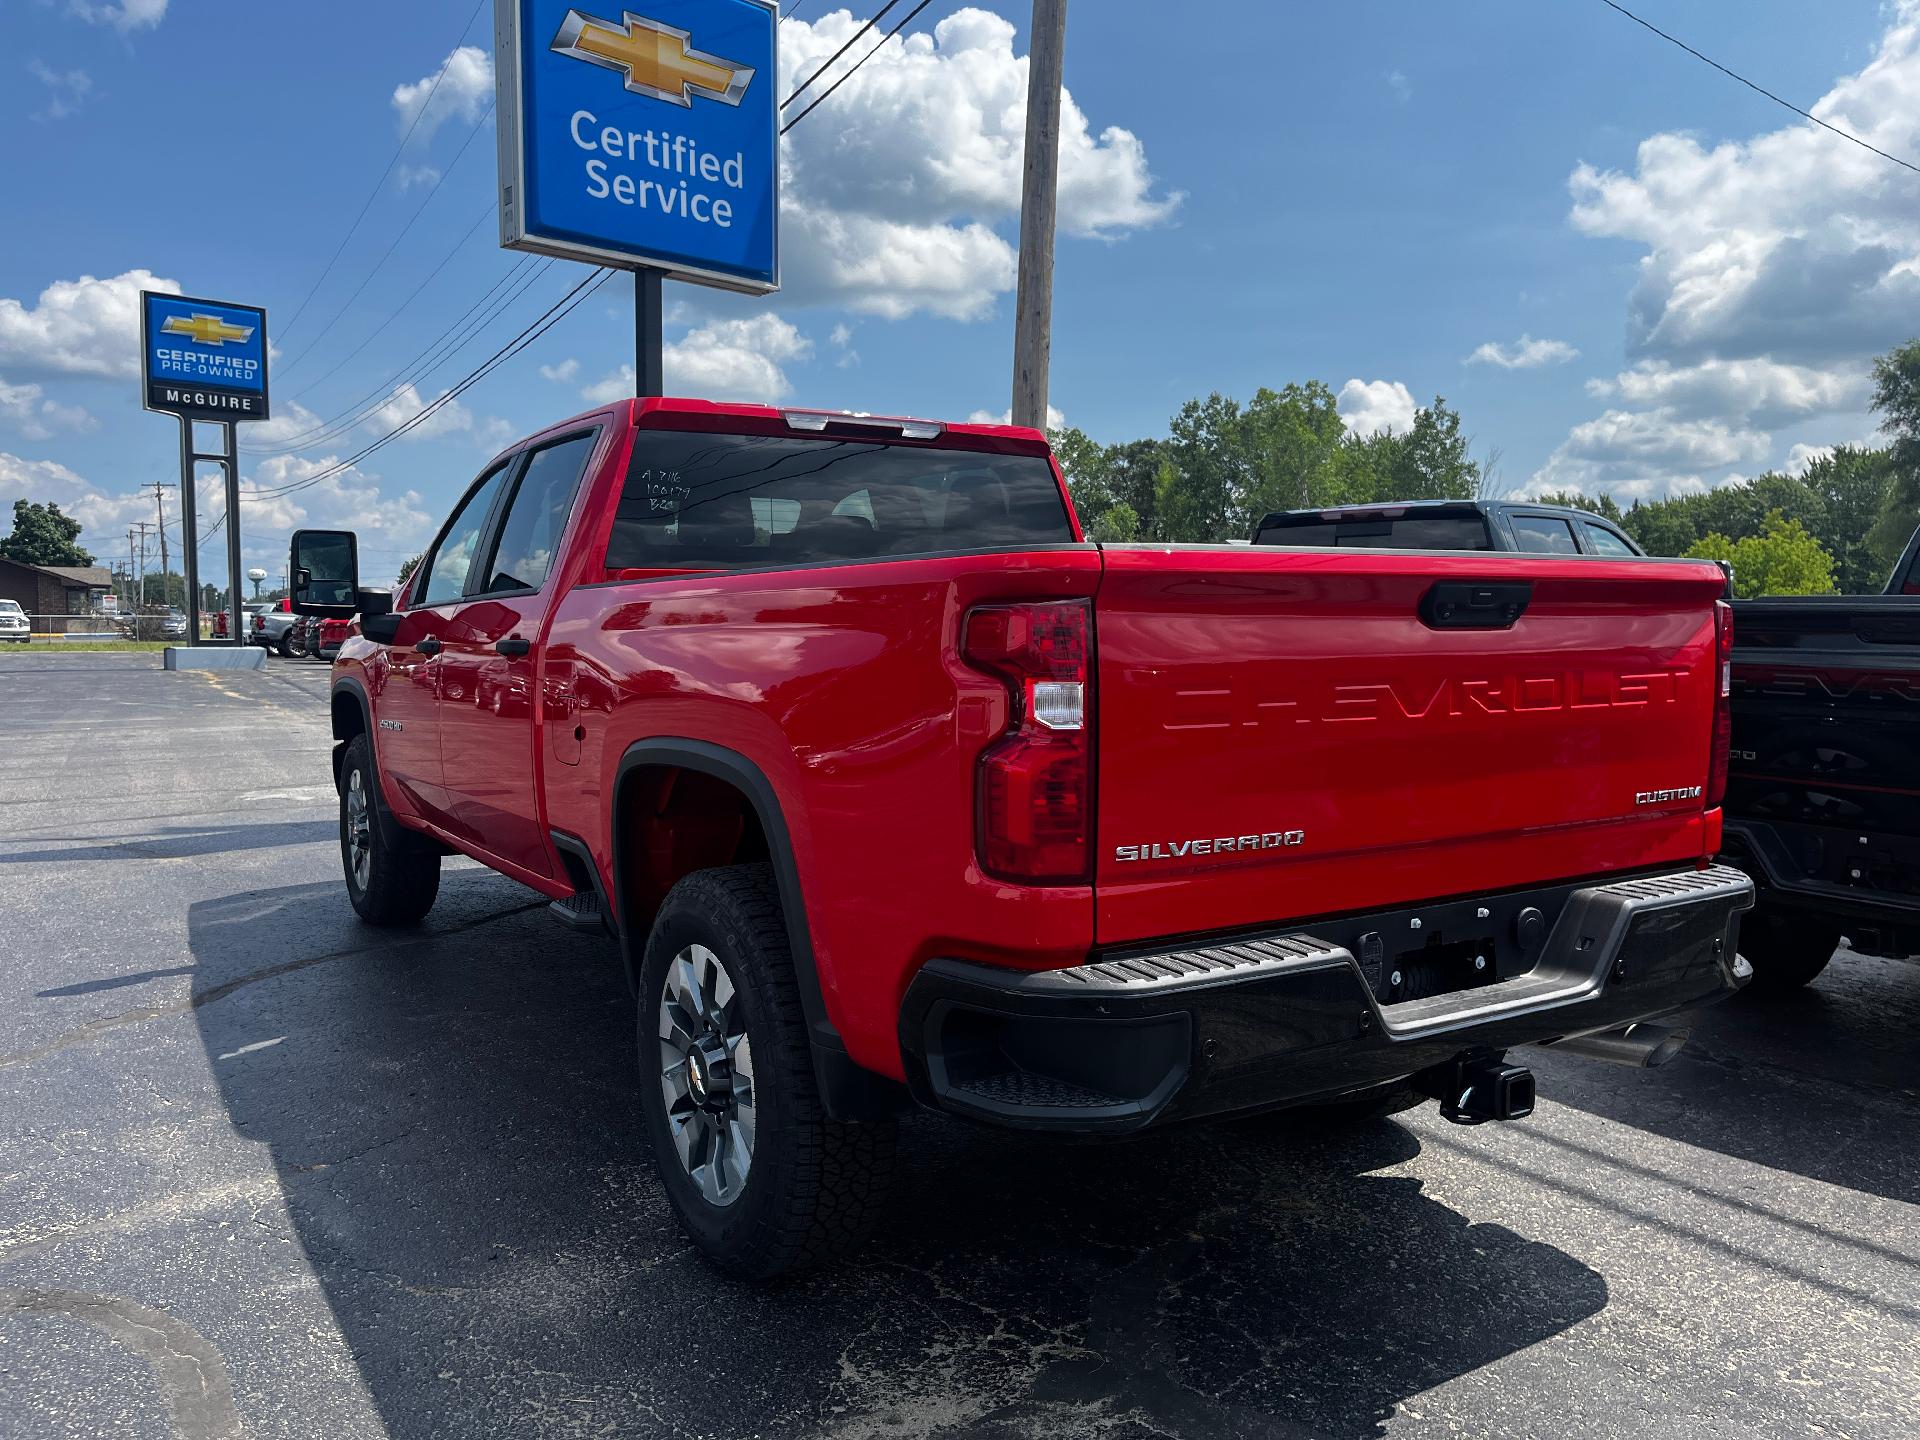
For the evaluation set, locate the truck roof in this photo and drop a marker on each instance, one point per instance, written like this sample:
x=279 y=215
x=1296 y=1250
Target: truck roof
x=638 y=411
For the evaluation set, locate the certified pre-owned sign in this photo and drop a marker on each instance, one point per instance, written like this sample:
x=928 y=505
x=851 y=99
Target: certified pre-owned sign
x=204 y=359
x=642 y=137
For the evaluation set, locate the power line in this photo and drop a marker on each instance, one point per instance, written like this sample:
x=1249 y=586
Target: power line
x=878 y=17
x=1761 y=89
x=394 y=314
x=862 y=60
x=438 y=350
x=554 y=315
x=380 y=184
x=381 y=263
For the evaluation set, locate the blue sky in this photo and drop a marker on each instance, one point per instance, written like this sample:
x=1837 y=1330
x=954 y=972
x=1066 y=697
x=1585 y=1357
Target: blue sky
x=1365 y=194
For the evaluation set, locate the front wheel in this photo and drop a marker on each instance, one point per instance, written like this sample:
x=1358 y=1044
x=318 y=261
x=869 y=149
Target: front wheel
x=1787 y=950
x=762 y=1180
x=393 y=876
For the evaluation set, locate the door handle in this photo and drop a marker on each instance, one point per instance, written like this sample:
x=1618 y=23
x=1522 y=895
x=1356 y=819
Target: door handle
x=428 y=645
x=512 y=645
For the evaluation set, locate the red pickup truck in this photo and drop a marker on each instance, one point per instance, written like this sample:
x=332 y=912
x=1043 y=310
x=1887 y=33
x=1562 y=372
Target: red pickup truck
x=894 y=789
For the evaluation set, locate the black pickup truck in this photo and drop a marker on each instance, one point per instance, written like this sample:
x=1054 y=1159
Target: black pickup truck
x=1823 y=794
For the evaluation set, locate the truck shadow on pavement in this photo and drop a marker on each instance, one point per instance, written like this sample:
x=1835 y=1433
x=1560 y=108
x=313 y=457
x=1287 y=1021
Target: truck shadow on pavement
x=1818 y=1082
x=452 y=1116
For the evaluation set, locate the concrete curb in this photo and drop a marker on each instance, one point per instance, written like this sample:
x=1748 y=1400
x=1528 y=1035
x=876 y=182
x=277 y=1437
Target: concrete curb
x=215 y=657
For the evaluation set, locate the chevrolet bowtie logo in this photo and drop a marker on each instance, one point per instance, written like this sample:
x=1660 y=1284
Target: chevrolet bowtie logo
x=654 y=57
x=207 y=329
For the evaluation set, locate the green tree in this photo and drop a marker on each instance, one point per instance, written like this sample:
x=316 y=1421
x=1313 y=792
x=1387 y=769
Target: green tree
x=1212 y=472
x=1853 y=486
x=43 y=536
x=1784 y=559
x=1603 y=505
x=1896 y=399
x=407 y=567
x=1115 y=525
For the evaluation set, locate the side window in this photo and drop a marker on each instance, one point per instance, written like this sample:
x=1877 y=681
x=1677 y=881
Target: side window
x=453 y=556
x=1603 y=541
x=537 y=515
x=1544 y=534
x=1910 y=584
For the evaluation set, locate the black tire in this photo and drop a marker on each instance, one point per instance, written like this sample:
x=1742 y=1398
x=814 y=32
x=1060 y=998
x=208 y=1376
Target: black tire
x=400 y=877
x=282 y=648
x=812 y=1188
x=1786 y=949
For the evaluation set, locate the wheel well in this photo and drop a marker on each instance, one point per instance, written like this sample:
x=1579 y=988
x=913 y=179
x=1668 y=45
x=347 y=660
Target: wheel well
x=349 y=720
x=674 y=821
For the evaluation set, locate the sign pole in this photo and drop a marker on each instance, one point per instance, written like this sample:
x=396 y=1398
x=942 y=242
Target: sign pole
x=189 y=532
x=236 y=629
x=649 y=323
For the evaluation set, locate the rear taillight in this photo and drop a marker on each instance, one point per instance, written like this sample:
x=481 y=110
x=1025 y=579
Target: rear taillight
x=1722 y=703
x=1035 y=787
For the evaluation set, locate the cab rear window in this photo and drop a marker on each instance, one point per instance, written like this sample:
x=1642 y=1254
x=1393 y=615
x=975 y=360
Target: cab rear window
x=1402 y=532
x=694 y=500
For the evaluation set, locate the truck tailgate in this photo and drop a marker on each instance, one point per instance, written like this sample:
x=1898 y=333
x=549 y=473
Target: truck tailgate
x=1283 y=734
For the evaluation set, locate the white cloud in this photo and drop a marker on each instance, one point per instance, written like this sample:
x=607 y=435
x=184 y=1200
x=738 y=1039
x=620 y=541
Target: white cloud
x=1774 y=268
x=1526 y=353
x=562 y=373
x=67 y=90
x=1401 y=86
x=1638 y=454
x=407 y=403
x=1764 y=391
x=842 y=340
x=721 y=360
x=79 y=327
x=1800 y=457
x=464 y=90
x=1055 y=420
x=1371 y=406
x=126 y=16
x=26 y=409
x=892 y=188
x=408 y=176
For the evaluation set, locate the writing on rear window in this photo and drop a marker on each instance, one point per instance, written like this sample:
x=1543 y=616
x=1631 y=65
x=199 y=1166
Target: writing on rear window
x=698 y=501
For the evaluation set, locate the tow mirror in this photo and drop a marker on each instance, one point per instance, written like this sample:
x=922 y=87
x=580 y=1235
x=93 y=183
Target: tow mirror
x=324 y=566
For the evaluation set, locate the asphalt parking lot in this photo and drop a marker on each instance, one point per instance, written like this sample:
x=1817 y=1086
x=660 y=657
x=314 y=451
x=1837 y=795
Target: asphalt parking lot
x=266 y=1172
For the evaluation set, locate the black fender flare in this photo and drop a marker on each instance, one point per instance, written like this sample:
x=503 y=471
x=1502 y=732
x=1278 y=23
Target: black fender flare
x=848 y=1091
x=358 y=692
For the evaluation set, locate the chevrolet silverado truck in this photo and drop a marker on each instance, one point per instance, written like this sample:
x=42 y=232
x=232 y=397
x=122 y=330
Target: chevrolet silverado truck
x=1823 y=802
x=893 y=789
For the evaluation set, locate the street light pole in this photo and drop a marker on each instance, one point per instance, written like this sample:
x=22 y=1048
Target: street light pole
x=1033 y=304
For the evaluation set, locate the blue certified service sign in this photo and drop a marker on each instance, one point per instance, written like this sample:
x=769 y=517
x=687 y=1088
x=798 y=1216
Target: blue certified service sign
x=206 y=359
x=642 y=137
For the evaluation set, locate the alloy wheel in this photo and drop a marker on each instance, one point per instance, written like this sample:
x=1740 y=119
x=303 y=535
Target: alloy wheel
x=706 y=1074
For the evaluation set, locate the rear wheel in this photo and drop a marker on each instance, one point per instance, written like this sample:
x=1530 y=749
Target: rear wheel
x=393 y=875
x=1787 y=950
x=761 y=1179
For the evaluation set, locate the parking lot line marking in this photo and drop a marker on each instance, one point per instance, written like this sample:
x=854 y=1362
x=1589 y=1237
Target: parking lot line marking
x=249 y=1049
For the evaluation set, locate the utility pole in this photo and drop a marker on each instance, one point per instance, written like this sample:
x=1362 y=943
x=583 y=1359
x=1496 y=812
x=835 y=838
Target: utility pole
x=1033 y=304
x=159 y=488
x=141 y=527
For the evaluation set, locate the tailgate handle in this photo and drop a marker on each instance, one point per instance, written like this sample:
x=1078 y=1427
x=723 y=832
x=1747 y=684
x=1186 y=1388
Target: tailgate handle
x=1475 y=604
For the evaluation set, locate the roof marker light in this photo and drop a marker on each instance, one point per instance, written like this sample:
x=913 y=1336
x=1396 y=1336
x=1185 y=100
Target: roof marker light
x=909 y=428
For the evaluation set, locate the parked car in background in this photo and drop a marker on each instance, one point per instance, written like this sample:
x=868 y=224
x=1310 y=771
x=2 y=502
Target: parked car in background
x=1449 y=525
x=333 y=634
x=894 y=788
x=271 y=623
x=14 y=625
x=1823 y=796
